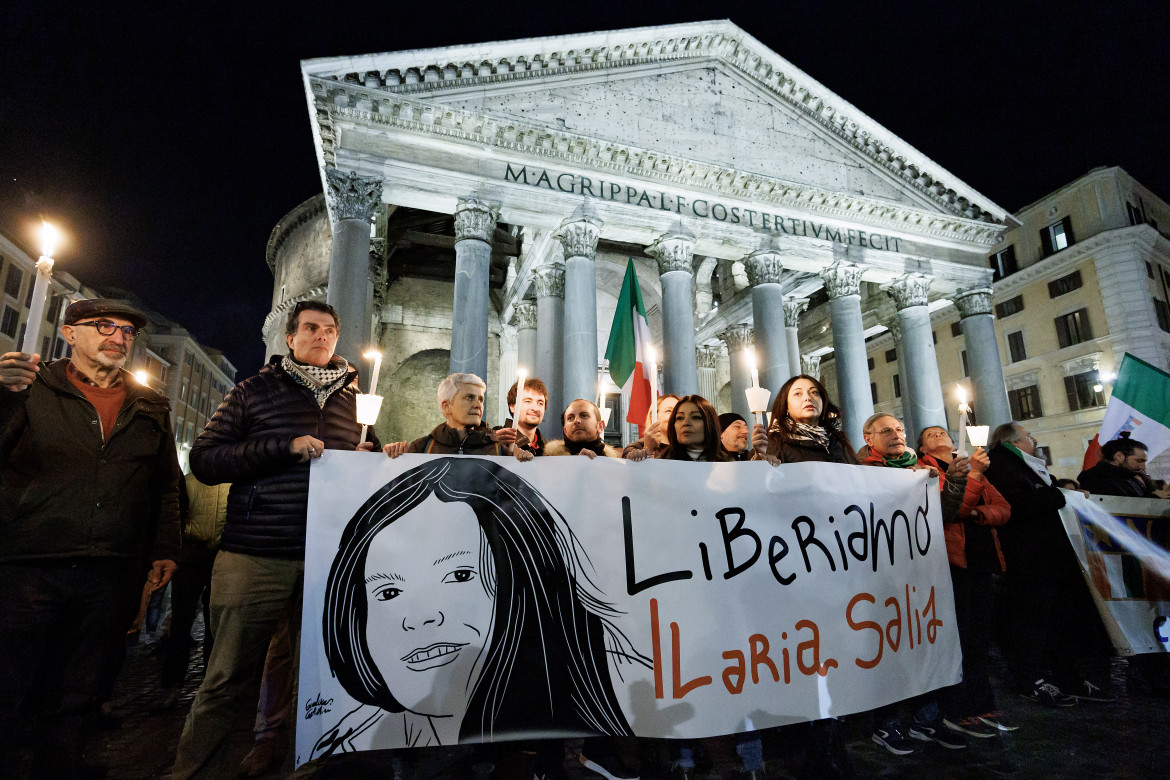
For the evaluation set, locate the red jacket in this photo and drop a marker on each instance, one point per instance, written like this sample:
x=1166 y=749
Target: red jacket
x=982 y=505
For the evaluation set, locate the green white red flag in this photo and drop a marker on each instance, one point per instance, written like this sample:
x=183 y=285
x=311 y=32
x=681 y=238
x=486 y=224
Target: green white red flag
x=629 y=348
x=1140 y=404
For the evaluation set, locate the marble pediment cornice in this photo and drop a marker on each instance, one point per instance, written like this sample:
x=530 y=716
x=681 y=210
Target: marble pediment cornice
x=339 y=102
x=517 y=64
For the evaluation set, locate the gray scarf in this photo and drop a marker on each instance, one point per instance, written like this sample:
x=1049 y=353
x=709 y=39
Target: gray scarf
x=322 y=381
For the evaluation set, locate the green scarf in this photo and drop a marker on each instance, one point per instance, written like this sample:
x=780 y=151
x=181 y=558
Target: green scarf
x=906 y=460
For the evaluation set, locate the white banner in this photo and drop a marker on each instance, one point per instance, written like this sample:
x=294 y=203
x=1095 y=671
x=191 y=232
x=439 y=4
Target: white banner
x=462 y=599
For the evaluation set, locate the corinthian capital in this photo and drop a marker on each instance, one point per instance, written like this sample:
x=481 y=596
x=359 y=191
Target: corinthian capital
x=811 y=365
x=973 y=301
x=549 y=281
x=895 y=330
x=352 y=196
x=673 y=250
x=764 y=267
x=738 y=338
x=476 y=219
x=792 y=311
x=525 y=314
x=842 y=278
x=909 y=290
x=578 y=235
x=707 y=357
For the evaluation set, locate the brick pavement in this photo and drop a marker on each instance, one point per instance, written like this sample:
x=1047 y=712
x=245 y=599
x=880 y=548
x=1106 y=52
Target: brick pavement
x=1125 y=739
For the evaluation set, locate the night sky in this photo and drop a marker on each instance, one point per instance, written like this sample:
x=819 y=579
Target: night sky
x=166 y=141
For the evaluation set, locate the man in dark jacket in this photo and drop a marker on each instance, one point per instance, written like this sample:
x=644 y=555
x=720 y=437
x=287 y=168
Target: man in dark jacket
x=1120 y=471
x=527 y=408
x=262 y=439
x=461 y=400
x=89 y=500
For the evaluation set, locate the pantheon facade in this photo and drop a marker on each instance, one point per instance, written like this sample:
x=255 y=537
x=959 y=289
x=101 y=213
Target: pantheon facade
x=480 y=204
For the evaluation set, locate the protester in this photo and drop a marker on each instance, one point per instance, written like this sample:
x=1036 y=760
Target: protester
x=527 y=409
x=89 y=500
x=204 y=519
x=805 y=426
x=653 y=439
x=1052 y=633
x=735 y=437
x=1121 y=471
x=461 y=400
x=262 y=439
x=277 y=686
x=583 y=428
x=974 y=554
x=693 y=433
x=886 y=439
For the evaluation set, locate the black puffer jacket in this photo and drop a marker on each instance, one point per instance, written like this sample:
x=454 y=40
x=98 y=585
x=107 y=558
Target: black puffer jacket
x=66 y=493
x=246 y=443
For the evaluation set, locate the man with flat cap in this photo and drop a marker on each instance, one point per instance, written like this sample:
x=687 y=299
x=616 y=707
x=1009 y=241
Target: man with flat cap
x=89 y=500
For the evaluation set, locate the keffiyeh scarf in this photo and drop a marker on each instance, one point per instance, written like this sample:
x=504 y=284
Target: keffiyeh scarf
x=814 y=434
x=322 y=381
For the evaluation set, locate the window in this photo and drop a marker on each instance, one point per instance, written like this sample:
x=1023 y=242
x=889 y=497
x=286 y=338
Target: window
x=1064 y=285
x=189 y=358
x=897 y=386
x=1045 y=453
x=8 y=322
x=1056 y=237
x=956 y=329
x=1016 y=349
x=1136 y=217
x=183 y=390
x=1073 y=328
x=13 y=281
x=1081 y=395
x=934 y=336
x=871 y=364
x=178 y=428
x=1004 y=263
x=891 y=355
x=1009 y=307
x=1025 y=403
x=55 y=308
x=873 y=391
x=963 y=360
x=1162 y=310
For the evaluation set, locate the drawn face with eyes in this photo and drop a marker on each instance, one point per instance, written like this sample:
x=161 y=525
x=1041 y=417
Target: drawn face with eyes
x=429 y=610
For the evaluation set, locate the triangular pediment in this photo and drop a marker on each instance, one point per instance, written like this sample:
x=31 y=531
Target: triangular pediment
x=706 y=92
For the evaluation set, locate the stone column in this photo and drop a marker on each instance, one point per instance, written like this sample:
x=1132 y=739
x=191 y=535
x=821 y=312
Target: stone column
x=525 y=316
x=549 y=281
x=793 y=307
x=764 y=270
x=738 y=338
x=708 y=361
x=353 y=201
x=910 y=293
x=475 y=222
x=843 y=284
x=673 y=251
x=903 y=383
x=578 y=235
x=507 y=373
x=991 y=401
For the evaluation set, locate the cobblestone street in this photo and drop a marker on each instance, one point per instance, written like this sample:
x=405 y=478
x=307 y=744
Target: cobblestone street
x=1094 y=741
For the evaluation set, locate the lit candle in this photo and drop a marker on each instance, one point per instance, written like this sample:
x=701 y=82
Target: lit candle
x=963 y=409
x=653 y=384
x=750 y=356
x=521 y=376
x=36 y=309
x=375 y=356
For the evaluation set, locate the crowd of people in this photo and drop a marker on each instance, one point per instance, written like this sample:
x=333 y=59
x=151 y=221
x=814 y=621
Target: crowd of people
x=94 y=502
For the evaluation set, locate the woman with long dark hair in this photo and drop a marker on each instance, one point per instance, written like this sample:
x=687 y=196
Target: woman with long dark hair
x=693 y=432
x=499 y=634
x=805 y=426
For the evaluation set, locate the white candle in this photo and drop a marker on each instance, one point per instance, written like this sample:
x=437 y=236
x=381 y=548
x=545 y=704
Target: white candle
x=521 y=376
x=963 y=409
x=36 y=309
x=653 y=384
x=750 y=357
x=375 y=356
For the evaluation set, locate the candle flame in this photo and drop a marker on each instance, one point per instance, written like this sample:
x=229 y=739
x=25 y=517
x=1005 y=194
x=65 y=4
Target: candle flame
x=962 y=395
x=142 y=377
x=371 y=354
x=49 y=239
x=749 y=355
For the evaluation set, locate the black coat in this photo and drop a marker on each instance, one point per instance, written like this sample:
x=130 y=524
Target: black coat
x=247 y=442
x=1105 y=479
x=1034 y=538
x=66 y=493
x=801 y=451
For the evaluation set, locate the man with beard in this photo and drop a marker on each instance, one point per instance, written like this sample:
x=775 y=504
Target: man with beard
x=527 y=407
x=89 y=496
x=582 y=427
x=735 y=438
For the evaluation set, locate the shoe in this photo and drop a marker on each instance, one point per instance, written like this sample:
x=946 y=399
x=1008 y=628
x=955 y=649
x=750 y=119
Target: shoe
x=1048 y=694
x=260 y=759
x=1086 y=691
x=934 y=732
x=972 y=727
x=995 y=720
x=608 y=765
x=894 y=741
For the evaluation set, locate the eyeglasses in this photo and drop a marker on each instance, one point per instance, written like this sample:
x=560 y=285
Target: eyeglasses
x=107 y=328
x=888 y=431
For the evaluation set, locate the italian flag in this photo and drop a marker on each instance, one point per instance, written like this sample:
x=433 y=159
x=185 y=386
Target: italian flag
x=628 y=349
x=1140 y=404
